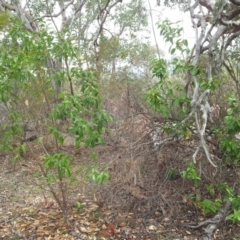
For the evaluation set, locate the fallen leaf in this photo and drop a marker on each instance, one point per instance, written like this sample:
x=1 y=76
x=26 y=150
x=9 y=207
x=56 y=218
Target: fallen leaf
x=122 y=224
x=152 y=227
x=84 y=230
x=104 y=226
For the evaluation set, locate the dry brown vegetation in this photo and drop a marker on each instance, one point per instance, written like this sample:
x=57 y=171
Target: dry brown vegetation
x=145 y=198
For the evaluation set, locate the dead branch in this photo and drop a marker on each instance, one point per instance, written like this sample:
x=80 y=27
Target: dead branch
x=235 y=2
x=213 y=223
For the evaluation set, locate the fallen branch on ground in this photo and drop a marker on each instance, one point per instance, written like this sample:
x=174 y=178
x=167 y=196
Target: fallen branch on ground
x=213 y=222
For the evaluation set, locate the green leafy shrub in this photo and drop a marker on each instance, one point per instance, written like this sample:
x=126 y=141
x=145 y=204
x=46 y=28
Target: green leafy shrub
x=29 y=84
x=229 y=143
x=191 y=173
x=209 y=206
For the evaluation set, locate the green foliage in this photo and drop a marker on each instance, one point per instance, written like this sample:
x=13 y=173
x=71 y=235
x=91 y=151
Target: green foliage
x=226 y=190
x=162 y=97
x=228 y=142
x=229 y=195
x=28 y=58
x=110 y=48
x=79 y=109
x=96 y=175
x=235 y=216
x=79 y=206
x=55 y=170
x=59 y=138
x=169 y=32
x=132 y=16
x=60 y=162
x=210 y=84
x=4 y=20
x=210 y=188
x=11 y=140
x=169 y=93
x=158 y=103
x=172 y=34
x=181 y=66
x=159 y=69
x=25 y=73
x=166 y=95
x=172 y=174
x=19 y=152
x=232 y=120
x=225 y=193
x=209 y=206
x=191 y=173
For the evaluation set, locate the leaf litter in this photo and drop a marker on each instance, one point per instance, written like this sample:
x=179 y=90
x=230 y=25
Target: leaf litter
x=27 y=213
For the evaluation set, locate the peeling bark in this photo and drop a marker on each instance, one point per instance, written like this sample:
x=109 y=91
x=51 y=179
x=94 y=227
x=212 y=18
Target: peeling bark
x=225 y=26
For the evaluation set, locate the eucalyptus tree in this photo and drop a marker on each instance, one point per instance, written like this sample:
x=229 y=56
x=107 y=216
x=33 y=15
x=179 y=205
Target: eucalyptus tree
x=120 y=40
x=217 y=28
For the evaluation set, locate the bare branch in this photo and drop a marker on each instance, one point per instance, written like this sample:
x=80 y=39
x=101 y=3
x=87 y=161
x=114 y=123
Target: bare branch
x=200 y=38
x=213 y=42
x=220 y=30
x=228 y=42
x=26 y=4
x=230 y=23
x=209 y=4
x=154 y=34
x=232 y=74
x=235 y=2
x=199 y=103
x=79 y=9
x=106 y=11
x=57 y=14
x=212 y=223
x=234 y=13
